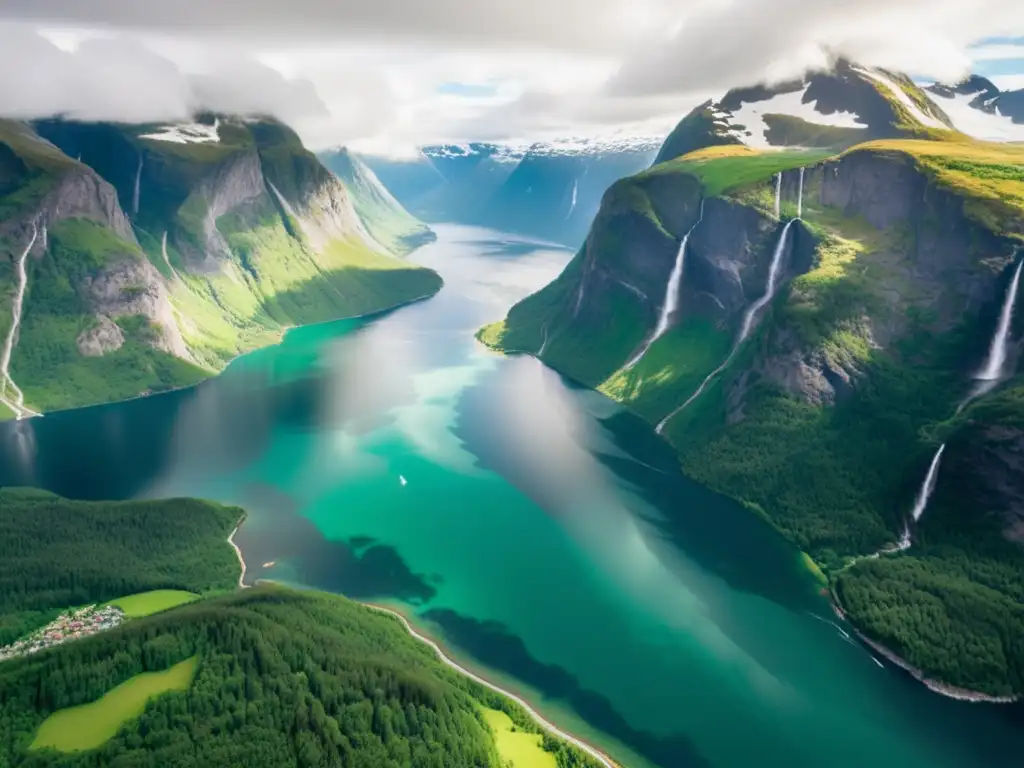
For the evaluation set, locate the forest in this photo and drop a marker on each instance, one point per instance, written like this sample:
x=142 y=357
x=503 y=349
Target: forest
x=56 y=553
x=284 y=678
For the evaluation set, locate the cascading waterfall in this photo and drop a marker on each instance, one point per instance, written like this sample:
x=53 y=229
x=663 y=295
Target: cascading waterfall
x=800 y=197
x=671 y=302
x=138 y=185
x=748 y=318
x=778 y=195
x=17 y=399
x=572 y=204
x=926 y=490
x=773 y=276
x=996 y=362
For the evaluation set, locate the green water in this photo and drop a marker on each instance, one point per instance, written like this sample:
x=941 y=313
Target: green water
x=542 y=533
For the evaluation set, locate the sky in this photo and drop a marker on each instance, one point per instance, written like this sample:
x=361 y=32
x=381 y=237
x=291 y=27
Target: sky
x=387 y=75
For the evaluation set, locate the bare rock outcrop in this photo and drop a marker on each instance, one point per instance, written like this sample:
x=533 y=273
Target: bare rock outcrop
x=106 y=336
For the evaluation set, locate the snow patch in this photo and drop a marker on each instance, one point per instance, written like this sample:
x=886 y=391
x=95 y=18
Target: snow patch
x=904 y=99
x=976 y=122
x=186 y=133
x=755 y=129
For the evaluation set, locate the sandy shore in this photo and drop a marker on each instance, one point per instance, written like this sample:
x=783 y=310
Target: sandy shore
x=547 y=725
x=937 y=686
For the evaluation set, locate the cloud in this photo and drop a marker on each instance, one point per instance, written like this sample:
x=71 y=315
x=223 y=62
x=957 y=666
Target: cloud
x=723 y=43
x=565 y=24
x=390 y=74
x=117 y=78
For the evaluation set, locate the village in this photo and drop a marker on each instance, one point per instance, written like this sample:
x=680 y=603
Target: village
x=68 y=626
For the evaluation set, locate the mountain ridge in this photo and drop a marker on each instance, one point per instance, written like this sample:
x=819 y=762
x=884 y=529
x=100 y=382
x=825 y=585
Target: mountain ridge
x=892 y=259
x=162 y=252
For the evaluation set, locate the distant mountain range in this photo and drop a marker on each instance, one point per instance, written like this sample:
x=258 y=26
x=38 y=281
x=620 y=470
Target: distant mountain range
x=549 y=190
x=980 y=109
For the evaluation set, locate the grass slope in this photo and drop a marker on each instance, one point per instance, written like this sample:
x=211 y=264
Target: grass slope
x=147 y=603
x=89 y=726
x=520 y=749
x=46 y=362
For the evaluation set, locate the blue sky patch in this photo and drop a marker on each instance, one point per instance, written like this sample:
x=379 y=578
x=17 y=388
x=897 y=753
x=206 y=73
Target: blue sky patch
x=467 y=90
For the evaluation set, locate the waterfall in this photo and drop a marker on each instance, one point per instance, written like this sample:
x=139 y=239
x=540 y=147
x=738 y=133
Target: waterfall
x=671 y=302
x=800 y=197
x=925 y=493
x=996 y=361
x=572 y=205
x=544 y=341
x=773 y=276
x=748 y=320
x=138 y=183
x=17 y=398
x=778 y=195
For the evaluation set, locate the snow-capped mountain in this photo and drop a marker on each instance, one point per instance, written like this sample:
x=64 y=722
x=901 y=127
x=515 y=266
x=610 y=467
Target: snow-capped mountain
x=979 y=109
x=837 y=108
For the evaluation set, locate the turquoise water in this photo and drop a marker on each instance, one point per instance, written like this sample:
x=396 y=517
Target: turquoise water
x=544 y=534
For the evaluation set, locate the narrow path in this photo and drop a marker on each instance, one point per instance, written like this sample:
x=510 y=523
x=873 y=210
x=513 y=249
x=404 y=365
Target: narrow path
x=16 y=401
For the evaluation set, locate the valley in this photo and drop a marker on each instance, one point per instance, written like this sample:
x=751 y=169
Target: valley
x=503 y=386
x=560 y=533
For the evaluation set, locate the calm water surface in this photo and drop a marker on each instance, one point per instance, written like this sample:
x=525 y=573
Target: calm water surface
x=541 y=532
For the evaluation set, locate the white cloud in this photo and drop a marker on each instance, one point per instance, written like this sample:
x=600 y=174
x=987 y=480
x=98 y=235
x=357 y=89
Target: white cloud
x=370 y=72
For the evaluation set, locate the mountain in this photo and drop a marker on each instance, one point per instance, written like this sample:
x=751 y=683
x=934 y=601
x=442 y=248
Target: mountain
x=449 y=182
x=549 y=190
x=555 y=190
x=385 y=218
x=980 y=109
x=139 y=258
x=837 y=108
x=805 y=327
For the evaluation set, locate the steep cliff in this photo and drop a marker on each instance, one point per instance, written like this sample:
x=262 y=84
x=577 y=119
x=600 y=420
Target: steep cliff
x=825 y=416
x=385 y=218
x=161 y=252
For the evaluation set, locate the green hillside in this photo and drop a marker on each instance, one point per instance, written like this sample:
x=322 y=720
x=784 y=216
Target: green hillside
x=825 y=419
x=157 y=261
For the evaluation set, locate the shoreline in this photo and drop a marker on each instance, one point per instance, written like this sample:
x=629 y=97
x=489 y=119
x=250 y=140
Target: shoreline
x=935 y=686
x=215 y=374
x=539 y=719
x=238 y=553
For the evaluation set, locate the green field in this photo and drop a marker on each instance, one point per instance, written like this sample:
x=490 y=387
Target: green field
x=91 y=725
x=724 y=168
x=146 y=603
x=518 y=748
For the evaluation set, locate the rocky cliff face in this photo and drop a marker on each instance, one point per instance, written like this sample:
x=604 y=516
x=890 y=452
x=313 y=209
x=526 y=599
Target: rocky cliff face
x=215 y=238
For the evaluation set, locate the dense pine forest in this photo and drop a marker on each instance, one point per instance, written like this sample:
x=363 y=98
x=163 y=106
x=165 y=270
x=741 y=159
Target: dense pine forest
x=56 y=553
x=281 y=678
x=284 y=678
